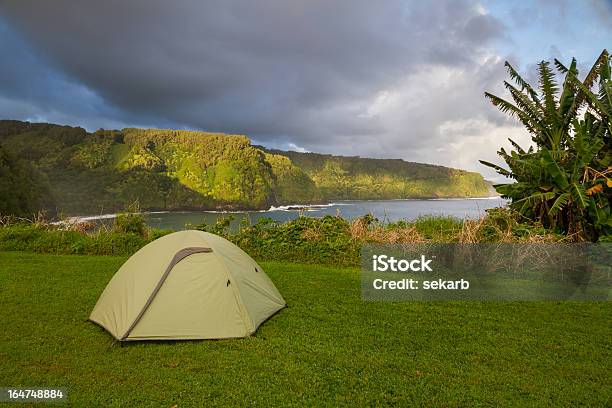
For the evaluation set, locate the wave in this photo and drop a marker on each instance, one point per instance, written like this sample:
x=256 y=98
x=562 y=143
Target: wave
x=84 y=218
x=306 y=207
x=79 y=219
x=461 y=199
x=486 y=198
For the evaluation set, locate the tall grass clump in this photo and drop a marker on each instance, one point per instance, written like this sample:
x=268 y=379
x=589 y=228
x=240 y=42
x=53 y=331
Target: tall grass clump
x=502 y=225
x=131 y=221
x=126 y=235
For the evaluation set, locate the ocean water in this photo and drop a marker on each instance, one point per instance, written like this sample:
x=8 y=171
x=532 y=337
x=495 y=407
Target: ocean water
x=384 y=210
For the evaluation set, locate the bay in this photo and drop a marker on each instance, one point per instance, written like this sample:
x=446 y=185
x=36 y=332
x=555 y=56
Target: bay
x=383 y=210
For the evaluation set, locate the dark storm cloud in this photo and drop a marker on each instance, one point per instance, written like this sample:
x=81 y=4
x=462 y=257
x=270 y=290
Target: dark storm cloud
x=31 y=89
x=384 y=79
x=269 y=68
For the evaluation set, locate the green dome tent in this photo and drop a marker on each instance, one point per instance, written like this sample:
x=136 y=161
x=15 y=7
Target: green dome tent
x=187 y=285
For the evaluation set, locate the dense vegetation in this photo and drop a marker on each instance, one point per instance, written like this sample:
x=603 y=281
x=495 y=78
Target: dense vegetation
x=328 y=348
x=328 y=240
x=565 y=182
x=340 y=177
x=23 y=189
x=107 y=170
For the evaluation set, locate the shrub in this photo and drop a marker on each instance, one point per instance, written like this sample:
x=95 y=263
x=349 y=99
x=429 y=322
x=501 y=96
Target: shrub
x=505 y=225
x=131 y=222
x=53 y=239
x=565 y=183
x=220 y=227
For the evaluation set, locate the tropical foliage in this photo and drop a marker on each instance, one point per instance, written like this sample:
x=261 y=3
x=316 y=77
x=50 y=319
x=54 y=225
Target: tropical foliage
x=342 y=177
x=105 y=171
x=23 y=189
x=564 y=181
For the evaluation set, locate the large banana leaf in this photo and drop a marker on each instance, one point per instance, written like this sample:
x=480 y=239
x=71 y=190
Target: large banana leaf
x=579 y=195
x=559 y=203
x=557 y=173
x=499 y=169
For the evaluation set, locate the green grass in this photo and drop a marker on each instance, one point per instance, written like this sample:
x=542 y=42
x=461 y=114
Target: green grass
x=439 y=228
x=327 y=348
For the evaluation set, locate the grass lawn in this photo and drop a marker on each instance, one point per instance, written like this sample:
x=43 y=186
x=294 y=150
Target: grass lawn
x=328 y=348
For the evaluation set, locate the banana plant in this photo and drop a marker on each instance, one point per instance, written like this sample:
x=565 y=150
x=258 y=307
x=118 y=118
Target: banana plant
x=564 y=180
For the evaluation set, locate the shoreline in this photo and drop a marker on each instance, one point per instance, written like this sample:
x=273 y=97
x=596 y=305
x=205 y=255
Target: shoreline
x=76 y=219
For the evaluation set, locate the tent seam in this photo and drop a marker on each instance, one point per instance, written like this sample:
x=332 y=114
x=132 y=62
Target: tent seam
x=188 y=252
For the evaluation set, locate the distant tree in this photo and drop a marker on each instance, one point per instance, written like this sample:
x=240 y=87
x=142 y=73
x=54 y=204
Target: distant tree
x=23 y=189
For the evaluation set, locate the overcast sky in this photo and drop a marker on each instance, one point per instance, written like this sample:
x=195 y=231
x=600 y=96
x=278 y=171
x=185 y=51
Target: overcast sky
x=371 y=78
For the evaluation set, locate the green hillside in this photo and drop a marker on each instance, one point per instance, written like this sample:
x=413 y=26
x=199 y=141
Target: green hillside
x=341 y=177
x=71 y=171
